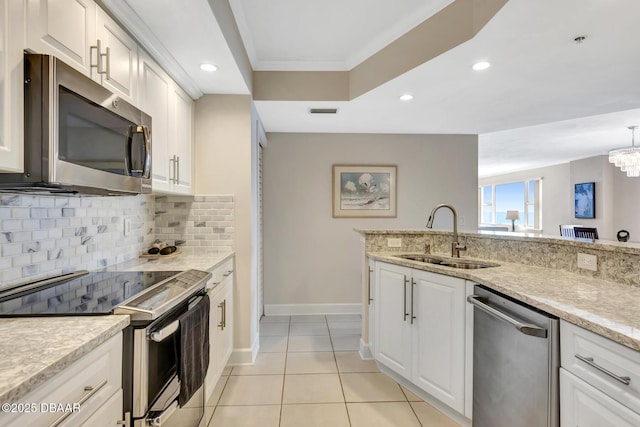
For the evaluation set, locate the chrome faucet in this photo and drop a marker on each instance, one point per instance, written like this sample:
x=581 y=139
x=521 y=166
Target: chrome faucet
x=456 y=247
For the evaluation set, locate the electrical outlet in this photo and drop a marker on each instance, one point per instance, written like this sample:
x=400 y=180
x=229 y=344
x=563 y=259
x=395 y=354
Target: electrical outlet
x=461 y=220
x=127 y=226
x=394 y=243
x=588 y=262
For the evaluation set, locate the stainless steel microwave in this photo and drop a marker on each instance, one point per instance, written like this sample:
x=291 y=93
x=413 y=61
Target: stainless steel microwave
x=79 y=137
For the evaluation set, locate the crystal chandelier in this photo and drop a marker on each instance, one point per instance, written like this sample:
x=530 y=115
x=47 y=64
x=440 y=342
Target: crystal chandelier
x=627 y=158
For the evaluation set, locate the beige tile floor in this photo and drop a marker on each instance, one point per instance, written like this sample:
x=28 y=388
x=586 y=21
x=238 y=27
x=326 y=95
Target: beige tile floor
x=308 y=373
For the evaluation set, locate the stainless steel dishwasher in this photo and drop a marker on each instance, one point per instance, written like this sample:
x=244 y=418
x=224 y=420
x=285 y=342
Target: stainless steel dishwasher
x=515 y=363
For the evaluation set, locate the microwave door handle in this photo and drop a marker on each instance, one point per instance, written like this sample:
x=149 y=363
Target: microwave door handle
x=146 y=173
x=144 y=130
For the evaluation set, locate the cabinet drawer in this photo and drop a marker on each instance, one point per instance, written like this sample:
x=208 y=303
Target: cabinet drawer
x=89 y=382
x=610 y=367
x=585 y=406
x=219 y=274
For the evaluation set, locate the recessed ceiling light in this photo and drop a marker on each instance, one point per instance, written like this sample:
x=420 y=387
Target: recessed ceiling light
x=208 y=67
x=482 y=65
x=406 y=97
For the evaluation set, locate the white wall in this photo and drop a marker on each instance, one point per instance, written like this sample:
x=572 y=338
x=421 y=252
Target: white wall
x=224 y=160
x=312 y=258
x=557 y=196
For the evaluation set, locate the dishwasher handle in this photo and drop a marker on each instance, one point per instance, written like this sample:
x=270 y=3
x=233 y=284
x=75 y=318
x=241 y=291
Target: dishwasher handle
x=525 y=328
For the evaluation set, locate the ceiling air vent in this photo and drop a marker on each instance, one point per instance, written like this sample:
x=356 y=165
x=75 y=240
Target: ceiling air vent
x=323 y=110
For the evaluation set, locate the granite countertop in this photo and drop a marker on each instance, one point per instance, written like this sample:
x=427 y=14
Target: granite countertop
x=207 y=261
x=607 y=308
x=32 y=350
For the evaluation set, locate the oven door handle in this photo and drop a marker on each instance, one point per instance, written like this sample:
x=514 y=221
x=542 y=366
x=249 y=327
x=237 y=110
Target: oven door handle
x=164 y=416
x=165 y=332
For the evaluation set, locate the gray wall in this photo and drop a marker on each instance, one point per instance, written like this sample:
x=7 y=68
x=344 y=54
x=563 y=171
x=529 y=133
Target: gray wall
x=312 y=258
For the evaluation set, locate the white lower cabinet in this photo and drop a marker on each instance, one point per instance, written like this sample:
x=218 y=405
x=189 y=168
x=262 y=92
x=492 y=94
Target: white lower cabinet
x=583 y=405
x=220 y=324
x=599 y=380
x=420 y=330
x=93 y=383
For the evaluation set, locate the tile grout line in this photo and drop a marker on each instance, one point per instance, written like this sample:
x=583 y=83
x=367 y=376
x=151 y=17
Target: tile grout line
x=284 y=374
x=335 y=360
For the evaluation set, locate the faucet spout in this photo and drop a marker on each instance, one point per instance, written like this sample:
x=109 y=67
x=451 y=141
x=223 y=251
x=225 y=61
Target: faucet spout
x=456 y=247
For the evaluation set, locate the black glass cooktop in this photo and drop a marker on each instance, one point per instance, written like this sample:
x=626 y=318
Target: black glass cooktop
x=93 y=293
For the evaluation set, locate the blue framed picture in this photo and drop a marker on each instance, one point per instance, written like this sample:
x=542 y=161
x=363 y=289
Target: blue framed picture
x=585 y=200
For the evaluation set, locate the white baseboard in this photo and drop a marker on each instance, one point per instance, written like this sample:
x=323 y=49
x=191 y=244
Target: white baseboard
x=291 y=309
x=245 y=356
x=365 y=351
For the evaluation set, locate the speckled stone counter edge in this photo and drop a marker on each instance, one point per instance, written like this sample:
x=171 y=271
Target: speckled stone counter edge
x=25 y=386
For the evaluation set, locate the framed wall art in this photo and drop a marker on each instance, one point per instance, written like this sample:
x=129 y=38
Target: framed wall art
x=585 y=200
x=364 y=191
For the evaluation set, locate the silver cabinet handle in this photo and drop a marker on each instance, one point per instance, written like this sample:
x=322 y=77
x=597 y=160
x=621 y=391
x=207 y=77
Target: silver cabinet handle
x=165 y=332
x=164 y=416
x=178 y=163
x=172 y=168
x=98 y=63
x=370 y=299
x=224 y=313
x=525 y=328
x=223 y=321
x=228 y=273
x=91 y=390
x=107 y=70
x=413 y=284
x=404 y=299
x=589 y=361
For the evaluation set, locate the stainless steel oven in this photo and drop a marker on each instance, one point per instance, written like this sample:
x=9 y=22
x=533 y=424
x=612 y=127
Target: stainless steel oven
x=157 y=303
x=153 y=355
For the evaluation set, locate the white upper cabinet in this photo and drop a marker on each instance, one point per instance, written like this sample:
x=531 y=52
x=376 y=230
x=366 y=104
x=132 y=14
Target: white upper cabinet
x=11 y=86
x=171 y=111
x=82 y=35
x=119 y=60
x=181 y=139
x=63 y=28
x=155 y=87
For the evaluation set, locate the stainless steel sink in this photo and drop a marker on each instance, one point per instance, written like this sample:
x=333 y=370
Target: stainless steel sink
x=469 y=264
x=448 y=262
x=422 y=258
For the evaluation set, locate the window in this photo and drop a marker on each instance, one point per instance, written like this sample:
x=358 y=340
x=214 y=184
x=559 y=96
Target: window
x=522 y=196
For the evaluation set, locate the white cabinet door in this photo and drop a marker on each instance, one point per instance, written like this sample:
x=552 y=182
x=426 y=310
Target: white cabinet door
x=181 y=139
x=63 y=28
x=11 y=87
x=224 y=326
x=119 y=71
x=583 y=405
x=439 y=336
x=392 y=327
x=155 y=87
x=220 y=325
x=171 y=111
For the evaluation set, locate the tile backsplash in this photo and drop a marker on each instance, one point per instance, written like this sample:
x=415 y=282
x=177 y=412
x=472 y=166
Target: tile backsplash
x=196 y=223
x=41 y=236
